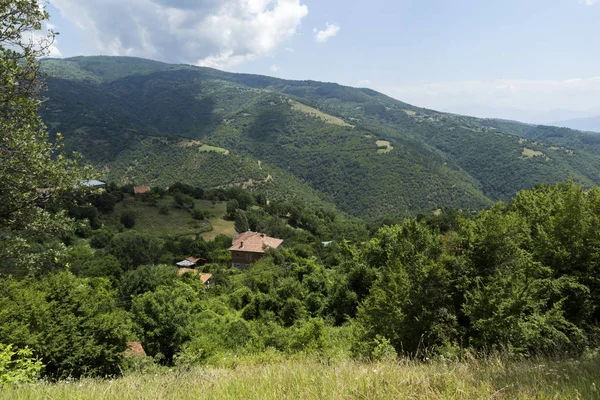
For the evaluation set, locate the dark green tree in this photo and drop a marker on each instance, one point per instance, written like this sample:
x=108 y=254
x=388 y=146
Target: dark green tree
x=34 y=173
x=241 y=221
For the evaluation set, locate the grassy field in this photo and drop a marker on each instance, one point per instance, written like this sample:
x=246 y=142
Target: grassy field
x=312 y=379
x=330 y=119
x=206 y=147
x=178 y=222
x=384 y=146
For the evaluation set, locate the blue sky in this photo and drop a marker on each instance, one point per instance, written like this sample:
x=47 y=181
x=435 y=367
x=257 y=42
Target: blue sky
x=531 y=60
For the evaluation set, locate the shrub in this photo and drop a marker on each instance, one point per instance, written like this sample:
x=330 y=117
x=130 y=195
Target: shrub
x=73 y=324
x=17 y=366
x=163 y=210
x=128 y=219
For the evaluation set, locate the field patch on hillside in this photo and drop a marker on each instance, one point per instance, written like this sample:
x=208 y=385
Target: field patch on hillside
x=178 y=221
x=206 y=147
x=530 y=153
x=384 y=146
x=313 y=112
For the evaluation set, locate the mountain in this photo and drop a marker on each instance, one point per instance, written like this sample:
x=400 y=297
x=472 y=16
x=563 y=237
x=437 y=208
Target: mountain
x=147 y=122
x=591 y=124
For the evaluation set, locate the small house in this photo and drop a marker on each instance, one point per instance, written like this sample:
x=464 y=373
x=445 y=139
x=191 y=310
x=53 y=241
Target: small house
x=191 y=262
x=249 y=247
x=205 y=278
x=141 y=189
x=94 y=183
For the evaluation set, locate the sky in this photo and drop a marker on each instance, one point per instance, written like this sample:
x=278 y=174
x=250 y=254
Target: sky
x=530 y=60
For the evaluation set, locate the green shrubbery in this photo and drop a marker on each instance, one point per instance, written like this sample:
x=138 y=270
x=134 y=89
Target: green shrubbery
x=17 y=366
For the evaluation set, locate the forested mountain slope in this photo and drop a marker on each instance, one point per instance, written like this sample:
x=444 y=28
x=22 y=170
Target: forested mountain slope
x=147 y=122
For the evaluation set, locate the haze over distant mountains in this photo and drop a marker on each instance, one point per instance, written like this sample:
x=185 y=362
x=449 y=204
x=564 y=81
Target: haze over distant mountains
x=580 y=120
x=591 y=124
x=151 y=123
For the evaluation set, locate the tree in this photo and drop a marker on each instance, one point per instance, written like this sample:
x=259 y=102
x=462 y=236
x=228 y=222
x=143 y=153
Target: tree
x=232 y=206
x=163 y=318
x=128 y=219
x=134 y=249
x=241 y=221
x=33 y=172
x=72 y=324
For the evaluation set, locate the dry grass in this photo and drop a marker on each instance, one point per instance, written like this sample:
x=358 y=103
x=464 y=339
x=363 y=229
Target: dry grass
x=311 y=379
x=385 y=146
x=313 y=112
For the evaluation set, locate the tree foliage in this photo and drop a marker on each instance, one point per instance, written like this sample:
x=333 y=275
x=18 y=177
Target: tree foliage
x=33 y=172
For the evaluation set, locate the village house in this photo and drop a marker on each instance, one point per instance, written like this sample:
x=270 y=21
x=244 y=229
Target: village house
x=94 y=183
x=191 y=262
x=141 y=189
x=249 y=247
x=204 y=278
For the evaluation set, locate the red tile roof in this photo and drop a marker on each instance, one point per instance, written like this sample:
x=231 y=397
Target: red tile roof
x=141 y=189
x=195 y=259
x=203 y=277
x=254 y=242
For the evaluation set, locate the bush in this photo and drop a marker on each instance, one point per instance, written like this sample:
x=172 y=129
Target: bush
x=100 y=239
x=163 y=210
x=73 y=324
x=128 y=219
x=17 y=366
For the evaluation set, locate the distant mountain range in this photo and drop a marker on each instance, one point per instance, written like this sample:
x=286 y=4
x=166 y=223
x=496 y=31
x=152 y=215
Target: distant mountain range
x=591 y=124
x=151 y=123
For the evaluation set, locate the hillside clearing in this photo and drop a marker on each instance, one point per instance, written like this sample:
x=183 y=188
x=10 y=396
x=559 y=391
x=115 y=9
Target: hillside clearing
x=311 y=379
x=313 y=112
x=178 y=222
x=530 y=153
x=384 y=146
x=206 y=147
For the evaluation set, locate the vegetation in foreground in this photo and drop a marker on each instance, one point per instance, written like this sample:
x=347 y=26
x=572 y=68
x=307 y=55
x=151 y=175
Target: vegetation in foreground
x=519 y=279
x=310 y=378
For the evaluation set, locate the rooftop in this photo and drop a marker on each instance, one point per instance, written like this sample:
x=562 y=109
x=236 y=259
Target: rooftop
x=254 y=242
x=141 y=189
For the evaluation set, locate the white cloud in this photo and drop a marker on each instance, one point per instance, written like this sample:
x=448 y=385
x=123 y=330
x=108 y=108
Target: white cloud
x=42 y=41
x=275 y=68
x=324 y=35
x=529 y=100
x=589 y=2
x=364 y=82
x=216 y=33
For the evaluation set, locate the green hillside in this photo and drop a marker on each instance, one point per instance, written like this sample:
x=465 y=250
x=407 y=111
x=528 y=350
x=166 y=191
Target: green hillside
x=146 y=122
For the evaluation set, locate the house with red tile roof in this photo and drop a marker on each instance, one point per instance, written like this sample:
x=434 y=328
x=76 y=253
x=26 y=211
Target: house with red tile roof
x=248 y=247
x=205 y=278
x=141 y=189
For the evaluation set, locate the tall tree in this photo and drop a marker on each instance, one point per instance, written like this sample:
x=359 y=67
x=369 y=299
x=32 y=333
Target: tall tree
x=32 y=170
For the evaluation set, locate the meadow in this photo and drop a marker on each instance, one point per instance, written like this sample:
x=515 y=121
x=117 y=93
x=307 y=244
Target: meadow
x=178 y=221
x=305 y=377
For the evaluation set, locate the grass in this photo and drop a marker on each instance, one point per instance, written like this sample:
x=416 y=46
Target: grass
x=311 y=378
x=330 y=119
x=178 y=222
x=386 y=147
x=530 y=153
x=206 y=147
